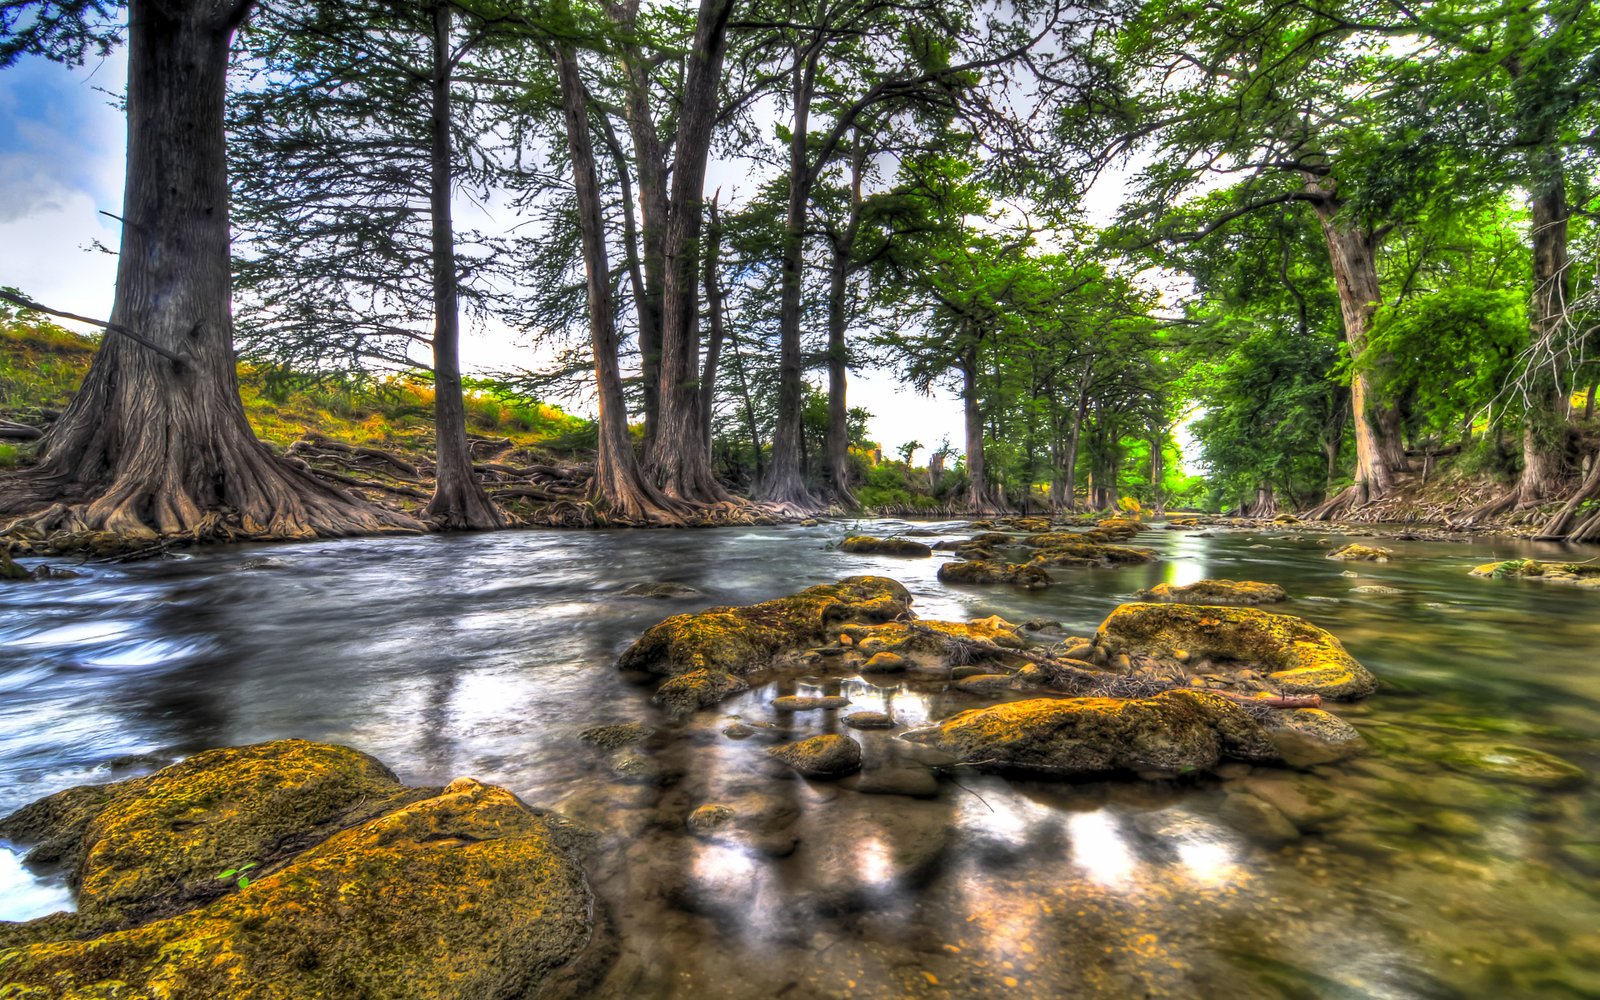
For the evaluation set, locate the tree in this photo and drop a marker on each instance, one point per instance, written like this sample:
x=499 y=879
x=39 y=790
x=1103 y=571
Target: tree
x=156 y=442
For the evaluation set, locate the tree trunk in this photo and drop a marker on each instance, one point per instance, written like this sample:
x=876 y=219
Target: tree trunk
x=785 y=483
x=680 y=456
x=838 y=445
x=1544 y=426
x=708 y=380
x=618 y=482
x=978 y=499
x=1157 y=473
x=458 y=501
x=653 y=212
x=1356 y=277
x=150 y=446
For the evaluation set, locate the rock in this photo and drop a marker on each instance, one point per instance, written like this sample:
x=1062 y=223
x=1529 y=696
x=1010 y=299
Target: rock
x=805 y=703
x=898 y=778
x=1244 y=592
x=984 y=572
x=870 y=720
x=1088 y=549
x=868 y=545
x=827 y=756
x=984 y=684
x=152 y=846
x=1079 y=651
x=616 y=735
x=660 y=591
x=1361 y=553
x=1583 y=575
x=708 y=819
x=744 y=640
x=1311 y=804
x=1522 y=765
x=1040 y=624
x=697 y=689
x=1376 y=590
x=1306 y=737
x=929 y=641
x=1256 y=819
x=630 y=765
x=738 y=731
x=464 y=893
x=1172 y=731
x=895 y=850
x=809 y=522
x=1296 y=656
x=884 y=663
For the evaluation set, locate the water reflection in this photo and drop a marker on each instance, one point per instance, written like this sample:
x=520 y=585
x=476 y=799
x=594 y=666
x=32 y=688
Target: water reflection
x=1414 y=873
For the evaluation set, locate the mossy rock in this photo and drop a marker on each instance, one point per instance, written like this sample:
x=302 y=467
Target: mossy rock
x=1177 y=730
x=984 y=572
x=616 y=735
x=1361 y=553
x=466 y=894
x=917 y=642
x=743 y=640
x=1295 y=655
x=827 y=756
x=868 y=545
x=697 y=689
x=1306 y=737
x=1075 y=550
x=1242 y=592
x=152 y=846
x=1572 y=574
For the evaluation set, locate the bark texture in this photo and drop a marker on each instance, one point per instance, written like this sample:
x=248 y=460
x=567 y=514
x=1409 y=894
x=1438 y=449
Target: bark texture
x=151 y=447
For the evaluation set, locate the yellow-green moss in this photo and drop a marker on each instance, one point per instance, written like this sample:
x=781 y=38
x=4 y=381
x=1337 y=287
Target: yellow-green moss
x=826 y=756
x=463 y=895
x=153 y=846
x=697 y=689
x=740 y=640
x=1216 y=592
x=1296 y=656
x=1361 y=553
x=1175 y=730
x=869 y=545
x=910 y=638
x=979 y=571
x=1081 y=553
x=1572 y=574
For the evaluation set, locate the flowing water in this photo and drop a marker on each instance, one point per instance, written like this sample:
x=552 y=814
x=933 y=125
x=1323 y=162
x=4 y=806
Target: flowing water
x=1449 y=862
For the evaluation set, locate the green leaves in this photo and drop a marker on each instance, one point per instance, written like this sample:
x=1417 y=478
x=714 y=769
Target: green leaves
x=237 y=875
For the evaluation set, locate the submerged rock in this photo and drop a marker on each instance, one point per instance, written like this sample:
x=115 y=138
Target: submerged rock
x=1295 y=656
x=808 y=703
x=1243 y=592
x=981 y=572
x=742 y=640
x=870 y=720
x=1522 y=765
x=1173 y=731
x=616 y=735
x=1361 y=553
x=827 y=756
x=660 y=591
x=1309 y=736
x=463 y=893
x=868 y=545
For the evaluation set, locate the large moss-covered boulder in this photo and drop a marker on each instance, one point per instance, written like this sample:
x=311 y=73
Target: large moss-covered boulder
x=1242 y=592
x=1080 y=550
x=1294 y=655
x=1173 y=731
x=984 y=572
x=868 y=545
x=464 y=894
x=743 y=640
x=153 y=846
x=1582 y=575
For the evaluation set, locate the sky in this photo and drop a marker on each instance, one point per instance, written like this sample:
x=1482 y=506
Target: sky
x=61 y=166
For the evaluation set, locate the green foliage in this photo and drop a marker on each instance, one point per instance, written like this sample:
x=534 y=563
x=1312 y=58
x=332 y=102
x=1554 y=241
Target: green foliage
x=237 y=875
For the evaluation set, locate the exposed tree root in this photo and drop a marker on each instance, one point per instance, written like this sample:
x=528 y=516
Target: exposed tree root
x=1569 y=524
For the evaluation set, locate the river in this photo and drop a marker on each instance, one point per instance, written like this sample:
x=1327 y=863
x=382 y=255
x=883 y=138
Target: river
x=1442 y=864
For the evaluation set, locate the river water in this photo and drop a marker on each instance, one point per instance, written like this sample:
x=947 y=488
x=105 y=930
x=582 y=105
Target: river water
x=1446 y=863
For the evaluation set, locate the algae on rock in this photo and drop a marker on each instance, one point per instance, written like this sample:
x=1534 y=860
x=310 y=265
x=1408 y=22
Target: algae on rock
x=1244 y=592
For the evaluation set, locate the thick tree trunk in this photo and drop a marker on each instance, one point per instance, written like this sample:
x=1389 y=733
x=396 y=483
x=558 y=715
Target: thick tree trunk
x=458 y=501
x=1544 y=426
x=150 y=446
x=618 y=482
x=1379 y=452
x=785 y=483
x=680 y=456
x=708 y=379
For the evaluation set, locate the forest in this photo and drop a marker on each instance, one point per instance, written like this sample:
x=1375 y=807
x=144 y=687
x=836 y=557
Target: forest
x=1352 y=251
x=1234 y=638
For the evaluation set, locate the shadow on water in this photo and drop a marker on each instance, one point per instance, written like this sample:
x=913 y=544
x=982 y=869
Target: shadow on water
x=1458 y=859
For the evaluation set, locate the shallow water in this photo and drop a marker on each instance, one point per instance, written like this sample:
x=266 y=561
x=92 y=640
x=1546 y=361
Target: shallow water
x=1425 y=869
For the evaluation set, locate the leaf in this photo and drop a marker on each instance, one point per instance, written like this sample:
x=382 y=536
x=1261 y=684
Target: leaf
x=244 y=883
x=229 y=873
x=245 y=868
